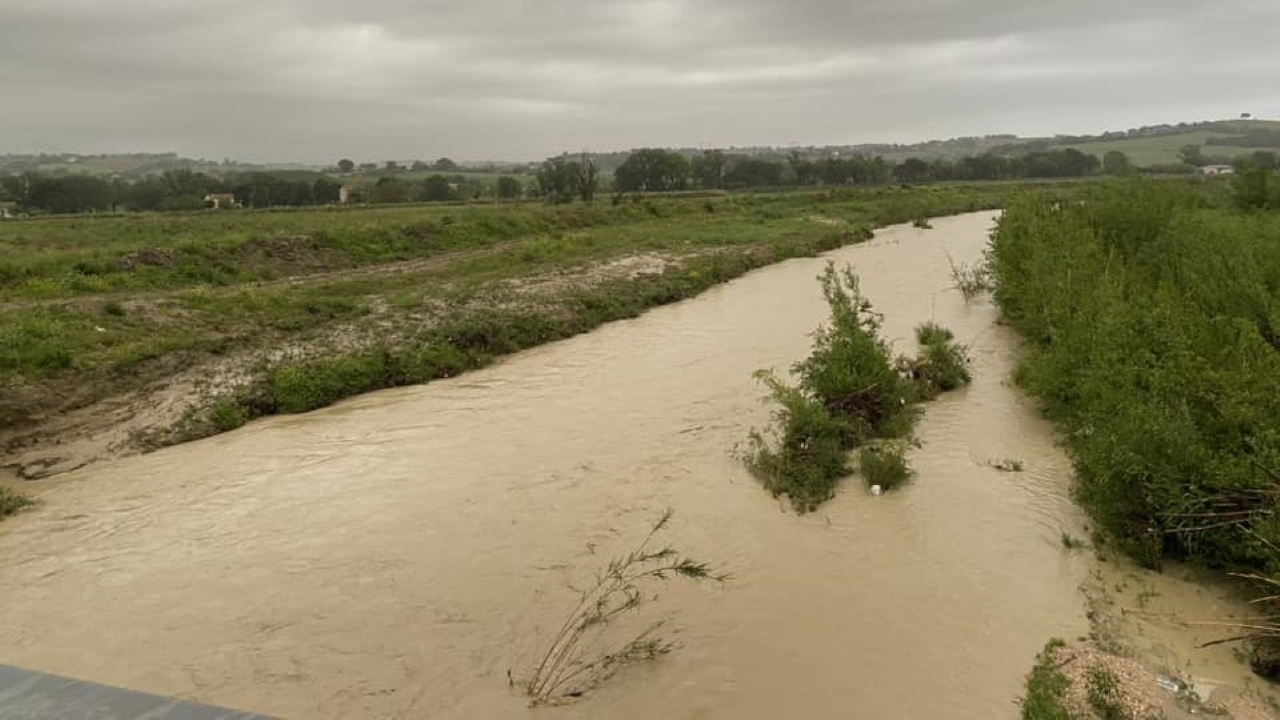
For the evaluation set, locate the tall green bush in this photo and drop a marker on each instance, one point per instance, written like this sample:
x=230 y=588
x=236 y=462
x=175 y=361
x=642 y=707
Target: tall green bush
x=851 y=390
x=1154 y=329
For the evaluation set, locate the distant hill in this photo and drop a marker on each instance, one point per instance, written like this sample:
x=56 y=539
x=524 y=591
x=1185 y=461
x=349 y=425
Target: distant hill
x=1160 y=145
x=1145 y=146
x=133 y=165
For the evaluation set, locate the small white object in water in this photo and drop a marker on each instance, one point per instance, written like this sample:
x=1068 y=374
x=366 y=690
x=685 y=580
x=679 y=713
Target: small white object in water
x=877 y=490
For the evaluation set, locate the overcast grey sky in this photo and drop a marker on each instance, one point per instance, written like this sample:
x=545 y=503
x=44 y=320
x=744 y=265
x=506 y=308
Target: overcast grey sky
x=312 y=80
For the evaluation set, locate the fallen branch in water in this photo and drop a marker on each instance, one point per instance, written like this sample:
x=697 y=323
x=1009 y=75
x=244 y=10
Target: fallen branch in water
x=574 y=662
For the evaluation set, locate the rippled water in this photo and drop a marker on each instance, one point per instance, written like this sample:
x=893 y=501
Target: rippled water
x=395 y=555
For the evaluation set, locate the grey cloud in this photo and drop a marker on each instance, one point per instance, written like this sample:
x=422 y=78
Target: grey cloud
x=313 y=79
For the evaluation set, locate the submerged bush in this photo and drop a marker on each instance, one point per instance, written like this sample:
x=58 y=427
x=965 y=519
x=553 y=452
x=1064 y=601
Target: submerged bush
x=811 y=452
x=941 y=366
x=971 y=280
x=884 y=465
x=851 y=391
x=931 y=333
x=11 y=502
x=851 y=370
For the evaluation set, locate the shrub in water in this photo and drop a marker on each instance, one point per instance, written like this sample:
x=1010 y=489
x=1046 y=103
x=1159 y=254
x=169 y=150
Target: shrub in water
x=811 y=452
x=941 y=366
x=851 y=370
x=11 y=502
x=884 y=464
x=931 y=333
x=850 y=391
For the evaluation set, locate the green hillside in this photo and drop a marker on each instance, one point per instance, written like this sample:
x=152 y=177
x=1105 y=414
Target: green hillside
x=1164 y=148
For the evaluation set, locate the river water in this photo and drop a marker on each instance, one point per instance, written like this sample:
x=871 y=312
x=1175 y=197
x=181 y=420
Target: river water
x=396 y=555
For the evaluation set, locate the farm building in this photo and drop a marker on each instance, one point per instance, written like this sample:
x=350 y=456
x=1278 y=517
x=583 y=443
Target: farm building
x=1217 y=170
x=218 y=201
x=352 y=193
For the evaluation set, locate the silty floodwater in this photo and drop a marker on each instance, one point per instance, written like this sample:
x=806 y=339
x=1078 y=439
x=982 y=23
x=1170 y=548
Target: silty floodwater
x=396 y=555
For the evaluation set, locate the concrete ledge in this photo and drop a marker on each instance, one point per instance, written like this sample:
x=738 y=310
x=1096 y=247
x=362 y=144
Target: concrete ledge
x=26 y=695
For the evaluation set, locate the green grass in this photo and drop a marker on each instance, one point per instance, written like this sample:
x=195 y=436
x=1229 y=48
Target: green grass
x=68 y=257
x=1105 y=696
x=1046 y=693
x=1163 y=150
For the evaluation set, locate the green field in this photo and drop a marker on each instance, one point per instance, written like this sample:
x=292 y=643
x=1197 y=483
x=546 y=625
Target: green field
x=309 y=306
x=1163 y=150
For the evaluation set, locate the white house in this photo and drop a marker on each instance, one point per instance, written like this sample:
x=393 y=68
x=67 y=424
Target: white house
x=1216 y=170
x=218 y=201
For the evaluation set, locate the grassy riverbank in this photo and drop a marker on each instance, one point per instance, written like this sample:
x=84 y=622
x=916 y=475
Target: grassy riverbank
x=1152 y=315
x=255 y=313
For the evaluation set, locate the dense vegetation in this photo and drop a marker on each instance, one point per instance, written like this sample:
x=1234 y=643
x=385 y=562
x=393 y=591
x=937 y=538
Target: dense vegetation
x=852 y=394
x=1153 y=319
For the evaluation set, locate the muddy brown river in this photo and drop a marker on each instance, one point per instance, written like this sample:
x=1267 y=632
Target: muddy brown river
x=396 y=555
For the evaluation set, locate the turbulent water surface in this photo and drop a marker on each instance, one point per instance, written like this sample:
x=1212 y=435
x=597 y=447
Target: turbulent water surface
x=396 y=555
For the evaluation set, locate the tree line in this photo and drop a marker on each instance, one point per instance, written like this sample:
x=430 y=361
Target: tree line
x=558 y=180
x=657 y=170
x=184 y=189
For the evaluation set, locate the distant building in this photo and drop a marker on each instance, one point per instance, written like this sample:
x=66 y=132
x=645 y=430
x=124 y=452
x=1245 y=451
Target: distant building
x=219 y=201
x=1216 y=170
x=352 y=193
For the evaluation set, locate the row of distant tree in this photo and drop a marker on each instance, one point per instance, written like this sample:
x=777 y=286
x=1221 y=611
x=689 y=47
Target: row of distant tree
x=559 y=179
x=187 y=190
x=656 y=170
x=444 y=165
